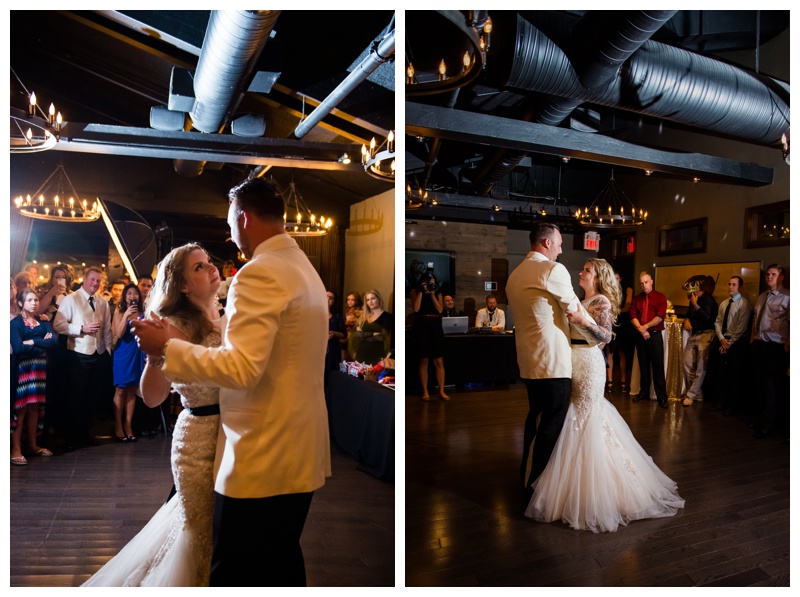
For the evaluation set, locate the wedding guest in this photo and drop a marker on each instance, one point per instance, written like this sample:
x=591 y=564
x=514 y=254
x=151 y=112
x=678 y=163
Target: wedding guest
x=352 y=314
x=372 y=338
x=128 y=362
x=428 y=335
x=336 y=333
x=621 y=346
x=30 y=339
x=769 y=347
x=647 y=312
x=84 y=317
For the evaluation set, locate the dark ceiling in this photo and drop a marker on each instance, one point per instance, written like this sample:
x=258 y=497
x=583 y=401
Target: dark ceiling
x=112 y=67
x=549 y=90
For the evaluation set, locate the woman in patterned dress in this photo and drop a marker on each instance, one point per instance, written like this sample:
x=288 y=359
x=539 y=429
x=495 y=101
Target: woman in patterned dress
x=30 y=339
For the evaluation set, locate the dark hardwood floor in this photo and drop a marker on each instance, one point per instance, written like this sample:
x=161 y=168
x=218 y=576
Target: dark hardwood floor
x=464 y=510
x=71 y=513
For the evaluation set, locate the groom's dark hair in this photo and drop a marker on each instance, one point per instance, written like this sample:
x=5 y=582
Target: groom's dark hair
x=259 y=196
x=541 y=231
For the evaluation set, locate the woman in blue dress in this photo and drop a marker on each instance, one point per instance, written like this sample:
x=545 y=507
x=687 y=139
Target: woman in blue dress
x=128 y=362
x=30 y=339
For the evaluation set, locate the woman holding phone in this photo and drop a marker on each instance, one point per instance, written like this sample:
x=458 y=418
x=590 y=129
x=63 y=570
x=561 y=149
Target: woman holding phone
x=128 y=362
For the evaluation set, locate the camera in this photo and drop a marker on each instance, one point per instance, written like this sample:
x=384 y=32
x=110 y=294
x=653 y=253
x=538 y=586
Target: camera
x=422 y=276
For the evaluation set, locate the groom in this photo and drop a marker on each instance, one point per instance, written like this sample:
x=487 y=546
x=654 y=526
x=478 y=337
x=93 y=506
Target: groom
x=540 y=292
x=273 y=449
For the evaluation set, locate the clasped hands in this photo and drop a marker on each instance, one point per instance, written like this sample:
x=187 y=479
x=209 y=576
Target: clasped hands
x=151 y=334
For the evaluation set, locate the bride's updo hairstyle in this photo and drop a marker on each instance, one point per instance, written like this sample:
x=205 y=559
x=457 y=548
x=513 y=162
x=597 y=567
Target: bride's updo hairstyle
x=607 y=284
x=167 y=300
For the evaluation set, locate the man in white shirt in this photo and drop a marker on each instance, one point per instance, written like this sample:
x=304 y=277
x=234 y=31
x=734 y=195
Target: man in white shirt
x=274 y=448
x=85 y=318
x=490 y=316
x=732 y=329
x=769 y=347
x=540 y=293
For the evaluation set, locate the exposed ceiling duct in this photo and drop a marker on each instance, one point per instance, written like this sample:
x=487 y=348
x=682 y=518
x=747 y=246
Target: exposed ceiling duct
x=600 y=50
x=656 y=80
x=233 y=42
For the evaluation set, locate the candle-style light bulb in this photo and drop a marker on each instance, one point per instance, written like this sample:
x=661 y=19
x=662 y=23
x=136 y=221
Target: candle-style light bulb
x=487 y=30
x=410 y=73
x=299 y=217
x=442 y=70
x=372 y=147
x=60 y=212
x=390 y=141
x=57 y=200
x=58 y=122
x=51 y=112
x=29 y=135
x=467 y=61
x=41 y=199
x=71 y=202
x=363 y=154
x=32 y=106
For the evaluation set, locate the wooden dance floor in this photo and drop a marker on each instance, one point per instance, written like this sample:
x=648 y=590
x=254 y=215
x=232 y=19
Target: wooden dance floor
x=464 y=511
x=71 y=513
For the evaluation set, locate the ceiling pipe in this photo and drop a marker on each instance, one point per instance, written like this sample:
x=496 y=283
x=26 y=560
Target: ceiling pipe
x=233 y=42
x=382 y=52
x=598 y=50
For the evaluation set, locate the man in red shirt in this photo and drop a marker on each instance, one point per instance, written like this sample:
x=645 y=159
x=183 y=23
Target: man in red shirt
x=647 y=312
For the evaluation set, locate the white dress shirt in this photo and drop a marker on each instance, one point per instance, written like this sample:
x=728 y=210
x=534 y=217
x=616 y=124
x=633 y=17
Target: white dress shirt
x=738 y=318
x=74 y=312
x=484 y=319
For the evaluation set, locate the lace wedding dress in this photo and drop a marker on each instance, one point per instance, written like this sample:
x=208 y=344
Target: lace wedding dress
x=598 y=477
x=174 y=548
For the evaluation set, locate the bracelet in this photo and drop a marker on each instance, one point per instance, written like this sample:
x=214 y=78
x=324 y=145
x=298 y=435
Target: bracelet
x=155 y=362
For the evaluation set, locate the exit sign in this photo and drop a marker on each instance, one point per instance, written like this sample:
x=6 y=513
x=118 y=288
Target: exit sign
x=591 y=241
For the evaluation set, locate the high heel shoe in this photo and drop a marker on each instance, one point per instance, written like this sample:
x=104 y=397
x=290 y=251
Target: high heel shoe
x=122 y=440
x=625 y=389
x=609 y=386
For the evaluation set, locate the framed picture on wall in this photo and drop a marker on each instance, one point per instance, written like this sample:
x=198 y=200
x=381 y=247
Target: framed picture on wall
x=766 y=225
x=669 y=280
x=683 y=238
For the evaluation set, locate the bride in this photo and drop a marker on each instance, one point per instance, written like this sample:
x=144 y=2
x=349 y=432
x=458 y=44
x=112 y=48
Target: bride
x=174 y=548
x=598 y=477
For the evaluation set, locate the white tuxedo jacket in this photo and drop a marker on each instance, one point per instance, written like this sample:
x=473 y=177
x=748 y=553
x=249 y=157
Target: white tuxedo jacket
x=539 y=293
x=274 y=432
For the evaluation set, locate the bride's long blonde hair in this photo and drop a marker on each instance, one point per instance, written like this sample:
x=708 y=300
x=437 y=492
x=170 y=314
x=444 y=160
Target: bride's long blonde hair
x=606 y=283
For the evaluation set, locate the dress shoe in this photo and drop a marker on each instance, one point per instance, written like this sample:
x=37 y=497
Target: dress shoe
x=636 y=397
x=663 y=404
x=687 y=401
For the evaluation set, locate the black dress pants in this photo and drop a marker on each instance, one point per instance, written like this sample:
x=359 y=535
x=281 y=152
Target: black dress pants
x=550 y=399
x=770 y=364
x=651 y=366
x=257 y=541
x=87 y=374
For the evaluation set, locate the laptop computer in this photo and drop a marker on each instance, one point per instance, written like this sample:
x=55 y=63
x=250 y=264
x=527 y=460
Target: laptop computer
x=455 y=325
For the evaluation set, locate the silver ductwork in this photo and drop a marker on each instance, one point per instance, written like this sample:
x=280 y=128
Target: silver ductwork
x=663 y=82
x=657 y=80
x=233 y=42
x=599 y=49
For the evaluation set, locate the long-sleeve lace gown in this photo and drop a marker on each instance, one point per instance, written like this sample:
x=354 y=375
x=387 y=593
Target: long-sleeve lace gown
x=599 y=477
x=174 y=548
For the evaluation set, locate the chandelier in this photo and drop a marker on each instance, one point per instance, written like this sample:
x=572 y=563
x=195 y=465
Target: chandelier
x=33 y=130
x=57 y=200
x=304 y=223
x=378 y=160
x=611 y=209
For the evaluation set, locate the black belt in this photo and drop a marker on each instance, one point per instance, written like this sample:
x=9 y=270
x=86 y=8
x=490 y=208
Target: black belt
x=578 y=341
x=204 y=411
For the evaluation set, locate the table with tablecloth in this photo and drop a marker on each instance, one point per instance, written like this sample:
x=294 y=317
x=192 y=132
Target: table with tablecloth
x=361 y=415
